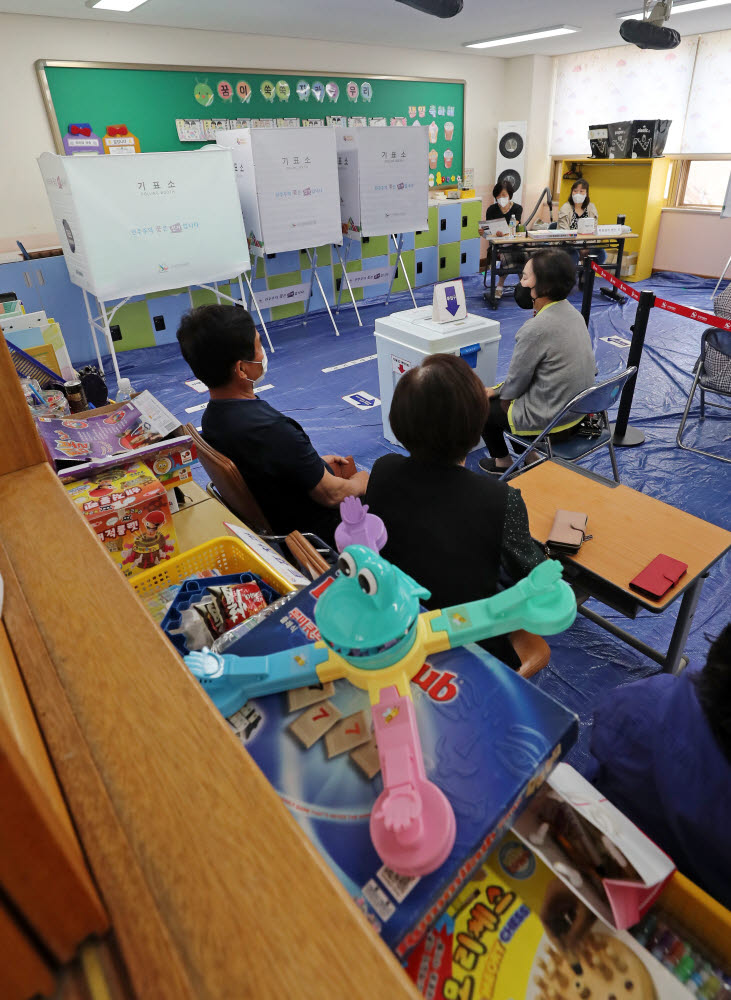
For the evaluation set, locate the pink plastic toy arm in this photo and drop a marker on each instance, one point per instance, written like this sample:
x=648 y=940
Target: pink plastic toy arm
x=358 y=527
x=412 y=823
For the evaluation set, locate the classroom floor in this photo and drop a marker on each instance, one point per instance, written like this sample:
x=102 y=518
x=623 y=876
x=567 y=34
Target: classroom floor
x=586 y=661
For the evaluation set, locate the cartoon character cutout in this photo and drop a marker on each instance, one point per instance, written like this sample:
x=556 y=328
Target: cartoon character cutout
x=203 y=93
x=150 y=546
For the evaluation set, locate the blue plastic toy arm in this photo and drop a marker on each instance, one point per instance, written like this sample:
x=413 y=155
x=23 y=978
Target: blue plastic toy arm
x=231 y=680
x=542 y=603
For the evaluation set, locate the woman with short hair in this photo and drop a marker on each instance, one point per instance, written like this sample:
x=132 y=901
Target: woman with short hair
x=552 y=361
x=450 y=529
x=506 y=209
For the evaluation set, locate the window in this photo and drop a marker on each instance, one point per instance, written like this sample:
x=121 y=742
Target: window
x=706 y=183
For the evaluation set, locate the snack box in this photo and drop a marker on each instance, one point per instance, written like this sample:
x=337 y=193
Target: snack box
x=491 y=943
x=128 y=510
x=489 y=739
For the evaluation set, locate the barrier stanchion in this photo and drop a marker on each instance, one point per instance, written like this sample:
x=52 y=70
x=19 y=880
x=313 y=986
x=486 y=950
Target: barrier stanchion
x=624 y=436
x=588 y=277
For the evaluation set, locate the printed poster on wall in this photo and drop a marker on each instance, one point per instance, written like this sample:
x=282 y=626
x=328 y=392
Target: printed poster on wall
x=288 y=186
x=146 y=223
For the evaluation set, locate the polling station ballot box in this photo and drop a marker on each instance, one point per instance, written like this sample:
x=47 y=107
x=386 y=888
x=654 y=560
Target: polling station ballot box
x=404 y=339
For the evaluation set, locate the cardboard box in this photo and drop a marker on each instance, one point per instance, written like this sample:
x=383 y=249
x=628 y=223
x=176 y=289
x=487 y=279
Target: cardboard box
x=491 y=944
x=128 y=510
x=489 y=739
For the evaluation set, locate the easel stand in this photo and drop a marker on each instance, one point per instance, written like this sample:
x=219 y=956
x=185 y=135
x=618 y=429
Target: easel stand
x=344 y=264
x=315 y=277
x=101 y=322
x=399 y=244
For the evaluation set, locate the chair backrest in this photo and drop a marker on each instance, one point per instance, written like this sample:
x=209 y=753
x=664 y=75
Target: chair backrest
x=716 y=360
x=598 y=397
x=229 y=482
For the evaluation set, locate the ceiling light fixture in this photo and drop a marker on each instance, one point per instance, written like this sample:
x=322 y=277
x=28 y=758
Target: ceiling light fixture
x=530 y=36
x=125 y=6
x=680 y=8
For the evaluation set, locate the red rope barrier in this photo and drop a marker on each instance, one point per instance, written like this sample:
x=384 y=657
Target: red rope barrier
x=674 y=307
x=626 y=289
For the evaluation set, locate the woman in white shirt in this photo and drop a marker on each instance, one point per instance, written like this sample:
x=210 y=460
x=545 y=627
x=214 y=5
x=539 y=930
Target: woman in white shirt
x=579 y=206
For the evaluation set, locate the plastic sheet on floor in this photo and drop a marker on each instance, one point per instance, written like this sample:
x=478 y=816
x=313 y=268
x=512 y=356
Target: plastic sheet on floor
x=586 y=661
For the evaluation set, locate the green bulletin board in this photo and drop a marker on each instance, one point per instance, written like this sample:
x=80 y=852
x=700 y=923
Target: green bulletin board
x=149 y=99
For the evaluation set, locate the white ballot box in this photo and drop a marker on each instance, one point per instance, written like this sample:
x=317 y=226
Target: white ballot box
x=404 y=339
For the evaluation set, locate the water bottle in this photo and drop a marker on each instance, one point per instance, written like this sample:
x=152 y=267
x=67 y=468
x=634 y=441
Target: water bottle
x=512 y=224
x=124 y=391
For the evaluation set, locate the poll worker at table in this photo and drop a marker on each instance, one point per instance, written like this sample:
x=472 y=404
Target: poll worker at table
x=296 y=488
x=662 y=748
x=579 y=206
x=449 y=528
x=504 y=209
x=552 y=361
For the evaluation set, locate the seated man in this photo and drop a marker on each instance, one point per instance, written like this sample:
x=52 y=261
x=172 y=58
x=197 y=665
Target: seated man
x=663 y=745
x=294 y=486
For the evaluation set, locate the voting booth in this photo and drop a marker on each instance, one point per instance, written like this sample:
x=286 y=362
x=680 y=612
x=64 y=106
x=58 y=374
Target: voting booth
x=130 y=225
x=287 y=180
x=384 y=180
x=404 y=339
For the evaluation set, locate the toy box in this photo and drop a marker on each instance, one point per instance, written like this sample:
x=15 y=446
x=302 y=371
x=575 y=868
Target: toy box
x=173 y=465
x=128 y=510
x=489 y=738
x=491 y=943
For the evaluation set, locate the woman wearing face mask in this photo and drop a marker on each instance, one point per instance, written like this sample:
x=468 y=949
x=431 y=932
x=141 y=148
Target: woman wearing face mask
x=552 y=361
x=505 y=209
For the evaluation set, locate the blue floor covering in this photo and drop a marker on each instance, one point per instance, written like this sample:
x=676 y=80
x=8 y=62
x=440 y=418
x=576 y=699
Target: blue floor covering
x=586 y=661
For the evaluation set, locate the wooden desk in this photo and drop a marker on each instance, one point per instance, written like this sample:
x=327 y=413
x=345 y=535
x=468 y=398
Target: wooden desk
x=628 y=530
x=525 y=244
x=200 y=520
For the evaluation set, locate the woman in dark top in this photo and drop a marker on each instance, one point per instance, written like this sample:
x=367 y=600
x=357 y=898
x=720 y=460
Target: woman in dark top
x=506 y=209
x=449 y=528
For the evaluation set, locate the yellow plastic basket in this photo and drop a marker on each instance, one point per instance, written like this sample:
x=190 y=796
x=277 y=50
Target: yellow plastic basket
x=225 y=554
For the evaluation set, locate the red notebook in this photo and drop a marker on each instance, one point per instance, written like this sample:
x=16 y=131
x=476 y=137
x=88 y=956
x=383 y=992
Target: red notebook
x=658 y=577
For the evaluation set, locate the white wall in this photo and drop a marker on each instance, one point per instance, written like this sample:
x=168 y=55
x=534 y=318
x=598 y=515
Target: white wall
x=529 y=82
x=24 y=125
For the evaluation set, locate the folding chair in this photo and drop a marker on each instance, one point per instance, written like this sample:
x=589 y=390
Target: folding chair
x=712 y=374
x=227 y=485
x=597 y=399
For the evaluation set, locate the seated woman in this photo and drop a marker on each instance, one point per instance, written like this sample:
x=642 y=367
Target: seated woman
x=552 y=360
x=449 y=528
x=504 y=208
x=579 y=206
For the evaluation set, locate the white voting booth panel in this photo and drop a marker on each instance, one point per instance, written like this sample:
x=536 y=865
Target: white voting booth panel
x=404 y=339
x=384 y=180
x=129 y=225
x=287 y=179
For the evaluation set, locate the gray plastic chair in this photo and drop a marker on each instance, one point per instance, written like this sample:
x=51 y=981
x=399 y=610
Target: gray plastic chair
x=712 y=374
x=597 y=399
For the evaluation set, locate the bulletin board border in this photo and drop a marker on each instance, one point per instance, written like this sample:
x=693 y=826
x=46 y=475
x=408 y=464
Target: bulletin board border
x=41 y=64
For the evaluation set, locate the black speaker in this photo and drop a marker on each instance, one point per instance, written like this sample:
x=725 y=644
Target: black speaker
x=439 y=8
x=646 y=35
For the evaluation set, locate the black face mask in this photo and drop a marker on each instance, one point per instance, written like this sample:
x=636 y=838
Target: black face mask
x=523 y=297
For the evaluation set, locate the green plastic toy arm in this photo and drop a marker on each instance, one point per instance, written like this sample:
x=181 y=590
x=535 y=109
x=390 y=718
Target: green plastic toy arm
x=542 y=603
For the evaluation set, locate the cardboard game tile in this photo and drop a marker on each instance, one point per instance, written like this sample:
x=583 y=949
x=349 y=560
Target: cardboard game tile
x=366 y=758
x=302 y=697
x=351 y=732
x=311 y=725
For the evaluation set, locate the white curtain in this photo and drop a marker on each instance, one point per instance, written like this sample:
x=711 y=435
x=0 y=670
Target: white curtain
x=708 y=121
x=623 y=83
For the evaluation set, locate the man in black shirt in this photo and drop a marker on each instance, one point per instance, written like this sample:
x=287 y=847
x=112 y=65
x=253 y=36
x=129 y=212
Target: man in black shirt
x=294 y=486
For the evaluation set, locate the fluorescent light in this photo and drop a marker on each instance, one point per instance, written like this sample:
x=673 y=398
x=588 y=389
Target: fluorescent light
x=680 y=8
x=529 y=36
x=121 y=5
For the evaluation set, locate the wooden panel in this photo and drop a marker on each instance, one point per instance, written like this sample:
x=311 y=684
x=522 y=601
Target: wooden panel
x=628 y=528
x=20 y=445
x=26 y=973
x=41 y=868
x=184 y=834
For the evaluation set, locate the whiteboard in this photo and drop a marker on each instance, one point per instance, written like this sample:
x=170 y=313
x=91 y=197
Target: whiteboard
x=130 y=225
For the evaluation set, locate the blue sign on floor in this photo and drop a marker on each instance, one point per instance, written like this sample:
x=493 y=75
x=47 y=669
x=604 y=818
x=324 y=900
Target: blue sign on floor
x=362 y=400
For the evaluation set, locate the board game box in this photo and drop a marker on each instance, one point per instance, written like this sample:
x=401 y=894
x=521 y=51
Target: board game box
x=489 y=739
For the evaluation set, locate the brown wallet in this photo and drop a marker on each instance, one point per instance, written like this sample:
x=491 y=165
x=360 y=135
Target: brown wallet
x=568 y=531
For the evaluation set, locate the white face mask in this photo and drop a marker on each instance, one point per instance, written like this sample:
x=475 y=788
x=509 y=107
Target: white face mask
x=579 y=197
x=503 y=202
x=263 y=363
